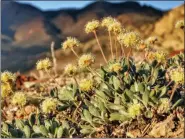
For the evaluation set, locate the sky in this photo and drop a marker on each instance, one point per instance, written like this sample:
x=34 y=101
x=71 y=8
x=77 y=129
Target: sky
x=54 y=5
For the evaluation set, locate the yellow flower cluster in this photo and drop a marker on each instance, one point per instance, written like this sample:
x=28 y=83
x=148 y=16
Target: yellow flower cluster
x=6 y=89
x=164 y=106
x=160 y=57
x=86 y=61
x=70 y=69
x=115 y=27
x=19 y=98
x=179 y=24
x=129 y=39
x=7 y=76
x=49 y=105
x=116 y=67
x=92 y=26
x=44 y=64
x=86 y=85
x=70 y=43
x=135 y=109
x=107 y=21
x=177 y=75
x=112 y=25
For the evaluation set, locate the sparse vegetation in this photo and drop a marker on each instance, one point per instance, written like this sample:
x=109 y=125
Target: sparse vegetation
x=122 y=98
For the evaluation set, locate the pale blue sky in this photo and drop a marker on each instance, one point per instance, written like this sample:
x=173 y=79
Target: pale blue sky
x=54 y=5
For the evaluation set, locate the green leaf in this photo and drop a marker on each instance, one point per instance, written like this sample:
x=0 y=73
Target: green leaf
x=116 y=82
x=129 y=94
x=5 y=127
x=101 y=94
x=117 y=100
x=87 y=116
x=43 y=130
x=87 y=129
x=36 y=135
x=53 y=126
x=66 y=94
x=136 y=87
x=141 y=87
x=72 y=131
x=148 y=114
x=36 y=129
x=60 y=132
x=115 y=106
x=27 y=131
x=180 y=101
x=13 y=132
x=32 y=119
x=94 y=111
x=47 y=124
x=145 y=97
x=118 y=117
x=163 y=91
x=65 y=124
x=19 y=124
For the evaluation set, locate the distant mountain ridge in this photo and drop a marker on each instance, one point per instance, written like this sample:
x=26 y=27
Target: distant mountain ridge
x=28 y=31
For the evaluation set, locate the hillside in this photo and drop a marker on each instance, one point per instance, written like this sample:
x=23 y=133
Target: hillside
x=27 y=31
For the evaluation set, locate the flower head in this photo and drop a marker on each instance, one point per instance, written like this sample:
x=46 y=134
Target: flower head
x=115 y=27
x=70 y=69
x=49 y=105
x=19 y=98
x=86 y=60
x=130 y=39
x=86 y=85
x=164 y=106
x=70 y=43
x=92 y=26
x=116 y=67
x=135 y=109
x=7 y=76
x=160 y=57
x=179 y=24
x=5 y=89
x=151 y=40
x=107 y=21
x=44 y=64
x=177 y=75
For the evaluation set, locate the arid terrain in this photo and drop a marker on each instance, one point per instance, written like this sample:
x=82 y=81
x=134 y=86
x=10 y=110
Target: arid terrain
x=27 y=32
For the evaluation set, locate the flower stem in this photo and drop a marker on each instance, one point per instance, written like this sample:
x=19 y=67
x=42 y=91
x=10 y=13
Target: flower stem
x=122 y=51
x=100 y=46
x=116 y=48
x=111 y=45
x=173 y=92
x=74 y=52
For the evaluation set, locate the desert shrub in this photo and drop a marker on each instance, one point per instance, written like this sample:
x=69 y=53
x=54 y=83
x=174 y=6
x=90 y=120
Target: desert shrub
x=121 y=92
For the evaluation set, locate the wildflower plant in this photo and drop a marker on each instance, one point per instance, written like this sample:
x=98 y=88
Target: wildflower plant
x=70 y=70
x=7 y=76
x=49 y=105
x=44 y=64
x=115 y=67
x=118 y=96
x=6 y=90
x=86 y=85
x=19 y=99
x=86 y=60
x=71 y=43
x=92 y=26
